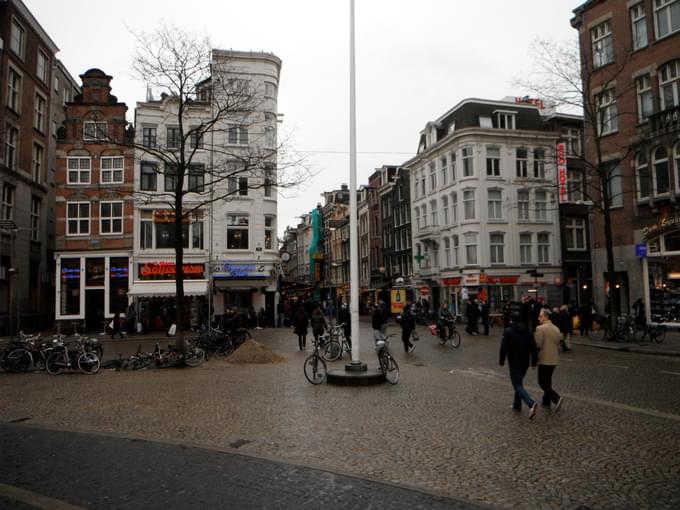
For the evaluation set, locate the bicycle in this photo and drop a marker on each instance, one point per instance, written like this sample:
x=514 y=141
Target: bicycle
x=337 y=345
x=388 y=364
x=453 y=336
x=315 y=367
x=655 y=333
x=82 y=358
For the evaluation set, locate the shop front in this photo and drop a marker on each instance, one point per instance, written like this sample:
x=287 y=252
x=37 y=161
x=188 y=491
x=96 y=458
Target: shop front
x=90 y=289
x=661 y=273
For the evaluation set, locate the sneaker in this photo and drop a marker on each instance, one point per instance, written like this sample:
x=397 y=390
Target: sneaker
x=515 y=409
x=412 y=348
x=533 y=410
x=559 y=404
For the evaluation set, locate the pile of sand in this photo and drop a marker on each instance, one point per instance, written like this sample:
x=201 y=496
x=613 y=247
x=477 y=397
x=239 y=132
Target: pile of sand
x=254 y=352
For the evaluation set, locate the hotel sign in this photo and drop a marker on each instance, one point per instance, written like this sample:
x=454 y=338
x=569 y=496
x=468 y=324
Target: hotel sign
x=562 y=172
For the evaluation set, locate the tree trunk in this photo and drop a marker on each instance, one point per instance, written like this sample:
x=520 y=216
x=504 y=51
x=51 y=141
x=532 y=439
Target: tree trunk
x=179 y=277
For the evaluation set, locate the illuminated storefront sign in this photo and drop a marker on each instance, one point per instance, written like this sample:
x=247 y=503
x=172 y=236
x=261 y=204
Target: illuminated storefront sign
x=167 y=271
x=229 y=270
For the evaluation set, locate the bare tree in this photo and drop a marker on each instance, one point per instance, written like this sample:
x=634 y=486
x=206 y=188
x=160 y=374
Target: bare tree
x=206 y=104
x=565 y=75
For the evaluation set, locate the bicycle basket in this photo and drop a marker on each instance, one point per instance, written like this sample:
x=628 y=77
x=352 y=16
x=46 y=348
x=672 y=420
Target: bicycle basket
x=379 y=345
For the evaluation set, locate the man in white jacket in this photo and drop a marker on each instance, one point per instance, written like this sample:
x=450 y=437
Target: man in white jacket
x=548 y=338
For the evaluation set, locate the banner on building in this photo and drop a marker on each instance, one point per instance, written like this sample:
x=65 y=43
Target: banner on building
x=398 y=300
x=562 y=172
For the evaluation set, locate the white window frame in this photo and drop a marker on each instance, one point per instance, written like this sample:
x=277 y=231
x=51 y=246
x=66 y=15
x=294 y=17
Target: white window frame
x=615 y=186
x=434 y=213
x=452 y=165
x=445 y=210
x=541 y=204
x=575 y=191
x=11 y=142
x=469 y=206
x=42 y=66
x=95 y=131
x=471 y=249
x=107 y=175
x=602 y=44
x=18 y=39
x=645 y=102
x=78 y=219
x=493 y=162
x=81 y=171
x=447 y=252
x=656 y=163
x=525 y=248
x=433 y=175
x=454 y=208
x=572 y=137
x=39 y=112
x=505 y=120
x=607 y=112
x=638 y=22
x=112 y=218
x=37 y=162
x=7 y=203
x=666 y=7
x=575 y=234
x=468 y=158
x=543 y=248
x=14 y=89
x=522 y=162
x=642 y=174
x=669 y=85
x=495 y=204
x=539 y=163
x=443 y=169
x=455 y=247
x=497 y=249
x=239 y=225
x=36 y=205
x=269 y=231
x=523 y=205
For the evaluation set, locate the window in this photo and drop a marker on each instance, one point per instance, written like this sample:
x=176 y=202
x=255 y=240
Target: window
x=525 y=248
x=470 y=248
x=661 y=175
x=111 y=217
x=7 y=206
x=238 y=135
x=37 y=163
x=196 y=138
x=232 y=184
x=243 y=186
x=77 y=218
x=78 y=170
x=423 y=209
x=572 y=137
x=495 y=204
x=521 y=162
x=39 y=113
x=445 y=211
x=603 y=49
x=444 y=168
x=543 y=244
x=269 y=177
x=148 y=172
x=14 y=90
x=493 y=162
x=270 y=130
x=42 y=67
x=36 y=205
x=452 y=166
x=642 y=176
x=94 y=131
x=172 y=138
x=149 y=137
x=197 y=178
x=455 y=251
x=447 y=252
x=485 y=121
x=268 y=232
x=666 y=17
x=237 y=232
x=523 y=205
x=269 y=89
x=422 y=183
x=170 y=177
x=541 y=201
x=615 y=186
x=669 y=82
x=608 y=112
x=539 y=164
x=417 y=215
x=434 y=213
x=496 y=244
x=18 y=39
x=639 y=26
x=433 y=176
x=575 y=233
x=469 y=204
x=574 y=185
x=505 y=120
x=11 y=141
x=454 y=207
x=112 y=170
x=644 y=97
x=468 y=162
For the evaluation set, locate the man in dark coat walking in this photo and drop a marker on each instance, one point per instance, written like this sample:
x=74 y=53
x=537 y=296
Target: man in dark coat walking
x=519 y=347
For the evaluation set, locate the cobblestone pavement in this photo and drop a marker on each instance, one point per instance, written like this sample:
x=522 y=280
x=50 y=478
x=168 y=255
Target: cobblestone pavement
x=446 y=428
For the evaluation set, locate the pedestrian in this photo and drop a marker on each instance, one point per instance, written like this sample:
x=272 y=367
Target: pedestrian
x=346 y=321
x=330 y=313
x=472 y=313
x=639 y=312
x=301 y=321
x=585 y=312
x=484 y=312
x=566 y=328
x=519 y=347
x=408 y=324
x=319 y=324
x=548 y=338
x=378 y=321
x=117 y=326
x=279 y=313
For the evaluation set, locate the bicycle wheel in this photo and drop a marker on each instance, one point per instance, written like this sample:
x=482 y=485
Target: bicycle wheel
x=391 y=369
x=88 y=363
x=332 y=350
x=455 y=340
x=20 y=360
x=227 y=348
x=55 y=363
x=315 y=369
x=442 y=338
x=659 y=334
x=195 y=357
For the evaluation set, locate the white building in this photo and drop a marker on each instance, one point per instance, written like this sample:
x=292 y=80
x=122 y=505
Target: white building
x=483 y=206
x=231 y=247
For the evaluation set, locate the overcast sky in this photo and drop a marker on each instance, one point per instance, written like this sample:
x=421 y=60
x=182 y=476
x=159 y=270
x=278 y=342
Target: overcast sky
x=415 y=60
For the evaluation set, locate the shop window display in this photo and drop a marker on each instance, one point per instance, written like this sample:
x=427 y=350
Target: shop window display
x=664 y=294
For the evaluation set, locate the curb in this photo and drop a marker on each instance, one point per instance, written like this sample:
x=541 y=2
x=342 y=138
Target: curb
x=633 y=349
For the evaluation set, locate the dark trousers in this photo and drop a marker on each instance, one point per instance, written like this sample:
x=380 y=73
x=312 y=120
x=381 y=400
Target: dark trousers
x=521 y=395
x=406 y=338
x=302 y=341
x=545 y=373
x=485 y=323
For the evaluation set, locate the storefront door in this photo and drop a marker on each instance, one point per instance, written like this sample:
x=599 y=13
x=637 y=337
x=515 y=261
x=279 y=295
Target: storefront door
x=94 y=310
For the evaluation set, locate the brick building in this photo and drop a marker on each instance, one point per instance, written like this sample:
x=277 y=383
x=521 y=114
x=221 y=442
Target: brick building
x=26 y=63
x=632 y=53
x=94 y=206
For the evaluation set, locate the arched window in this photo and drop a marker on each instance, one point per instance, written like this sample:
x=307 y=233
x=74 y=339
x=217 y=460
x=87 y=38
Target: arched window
x=642 y=176
x=424 y=215
x=669 y=83
x=447 y=252
x=433 y=212
x=661 y=177
x=454 y=207
x=455 y=260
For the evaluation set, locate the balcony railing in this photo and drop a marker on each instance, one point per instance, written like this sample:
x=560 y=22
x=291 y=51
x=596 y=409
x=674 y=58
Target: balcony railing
x=427 y=231
x=667 y=121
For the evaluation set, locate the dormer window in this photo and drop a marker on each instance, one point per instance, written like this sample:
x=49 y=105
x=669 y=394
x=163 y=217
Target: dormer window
x=505 y=120
x=452 y=127
x=485 y=121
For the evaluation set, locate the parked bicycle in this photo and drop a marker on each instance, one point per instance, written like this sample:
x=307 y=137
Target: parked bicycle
x=16 y=356
x=82 y=358
x=388 y=364
x=651 y=332
x=335 y=343
x=315 y=367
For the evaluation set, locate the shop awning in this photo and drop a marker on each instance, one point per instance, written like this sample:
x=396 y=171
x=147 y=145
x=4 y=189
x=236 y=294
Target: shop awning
x=149 y=289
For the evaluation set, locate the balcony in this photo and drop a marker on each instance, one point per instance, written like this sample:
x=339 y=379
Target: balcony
x=427 y=232
x=665 y=122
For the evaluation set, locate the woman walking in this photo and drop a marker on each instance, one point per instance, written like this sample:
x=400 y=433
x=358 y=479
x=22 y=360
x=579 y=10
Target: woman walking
x=301 y=321
x=319 y=324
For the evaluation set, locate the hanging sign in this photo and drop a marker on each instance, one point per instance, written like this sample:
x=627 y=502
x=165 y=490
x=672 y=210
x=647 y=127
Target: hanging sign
x=562 y=172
